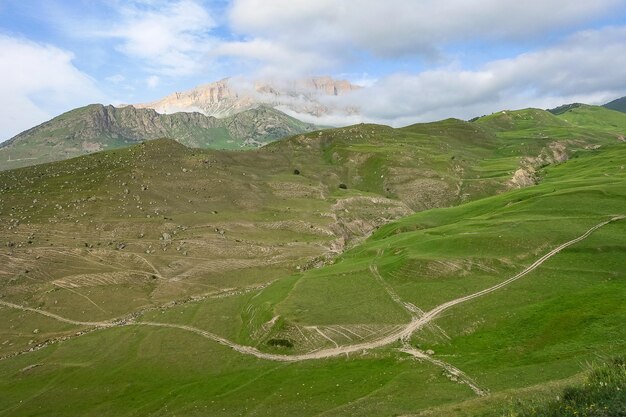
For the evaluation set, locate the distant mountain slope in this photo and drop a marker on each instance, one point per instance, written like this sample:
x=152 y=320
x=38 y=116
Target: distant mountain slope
x=560 y=122
x=515 y=120
x=226 y=97
x=618 y=105
x=97 y=127
x=563 y=108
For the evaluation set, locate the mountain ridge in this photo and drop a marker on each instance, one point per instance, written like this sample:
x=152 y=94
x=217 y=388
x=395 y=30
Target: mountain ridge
x=228 y=96
x=96 y=127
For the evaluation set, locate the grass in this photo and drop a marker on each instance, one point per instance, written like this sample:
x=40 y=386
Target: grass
x=368 y=304
x=596 y=118
x=236 y=244
x=141 y=372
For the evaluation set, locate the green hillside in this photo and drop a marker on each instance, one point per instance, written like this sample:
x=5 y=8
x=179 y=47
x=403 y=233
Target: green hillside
x=96 y=127
x=605 y=118
x=597 y=118
x=357 y=271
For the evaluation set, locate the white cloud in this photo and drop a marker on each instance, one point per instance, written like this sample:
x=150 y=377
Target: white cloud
x=587 y=67
x=362 y=79
x=274 y=59
x=329 y=28
x=171 y=38
x=36 y=81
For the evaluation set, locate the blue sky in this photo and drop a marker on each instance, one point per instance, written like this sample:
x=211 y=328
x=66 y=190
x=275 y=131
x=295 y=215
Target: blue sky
x=420 y=59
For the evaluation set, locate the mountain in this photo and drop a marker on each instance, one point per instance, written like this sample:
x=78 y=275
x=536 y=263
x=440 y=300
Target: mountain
x=618 y=105
x=97 y=127
x=226 y=97
x=564 y=108
x=442 y=269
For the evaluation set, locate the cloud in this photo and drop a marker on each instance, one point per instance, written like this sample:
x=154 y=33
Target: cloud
x=171 y=38
x=36 y=81
x=270 y=59
x=587 y=67
x=329 y=28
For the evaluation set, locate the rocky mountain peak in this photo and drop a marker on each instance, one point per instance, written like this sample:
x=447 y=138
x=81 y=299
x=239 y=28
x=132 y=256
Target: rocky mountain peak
x=229 y=96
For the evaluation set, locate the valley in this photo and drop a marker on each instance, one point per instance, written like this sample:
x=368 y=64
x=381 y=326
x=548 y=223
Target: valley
x=437 y=269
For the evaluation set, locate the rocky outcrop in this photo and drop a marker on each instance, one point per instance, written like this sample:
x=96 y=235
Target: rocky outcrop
x=526 y=175
x=226 y=97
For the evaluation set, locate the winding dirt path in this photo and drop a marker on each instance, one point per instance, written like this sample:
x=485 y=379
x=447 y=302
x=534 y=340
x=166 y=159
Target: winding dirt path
x=81 y=295
x=98 y=324
x=410 y=308
x=403 y=334
x=461 y=376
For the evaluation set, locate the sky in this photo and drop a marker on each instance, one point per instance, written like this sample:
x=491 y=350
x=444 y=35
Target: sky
x=420 y=60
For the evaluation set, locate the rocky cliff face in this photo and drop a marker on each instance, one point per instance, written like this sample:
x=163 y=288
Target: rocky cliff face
x=227 y=97
x=134 y=124
x=97 y=127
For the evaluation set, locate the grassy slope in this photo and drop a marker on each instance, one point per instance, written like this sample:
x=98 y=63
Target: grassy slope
x=596 y=118
x=568 y=311
x=518 y=338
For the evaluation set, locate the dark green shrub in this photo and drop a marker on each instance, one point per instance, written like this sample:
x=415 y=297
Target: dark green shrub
x=285 y=343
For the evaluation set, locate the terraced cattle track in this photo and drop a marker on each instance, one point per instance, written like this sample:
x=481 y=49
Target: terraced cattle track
x=403 y=334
